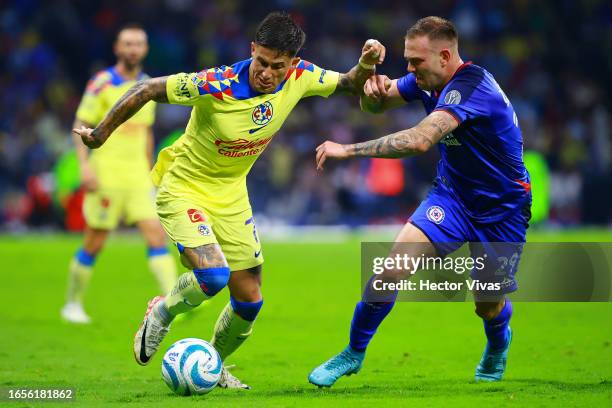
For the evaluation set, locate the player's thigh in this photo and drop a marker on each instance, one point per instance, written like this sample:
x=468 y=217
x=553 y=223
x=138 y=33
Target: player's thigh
x=500 y=246
x=442 y=220
x=152 y=232
x=186 y=223
x=103 y=208
x=239 y=239
x=94 y=239
x=140 y=206
x=245 y=285
x=204 y=256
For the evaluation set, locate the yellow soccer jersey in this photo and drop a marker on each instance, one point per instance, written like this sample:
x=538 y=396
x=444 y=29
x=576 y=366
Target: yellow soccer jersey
x=230 y=126
x=122 y=161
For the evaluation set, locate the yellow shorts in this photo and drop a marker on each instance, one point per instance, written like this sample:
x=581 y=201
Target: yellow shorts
x=191 y=224
x=104 y=208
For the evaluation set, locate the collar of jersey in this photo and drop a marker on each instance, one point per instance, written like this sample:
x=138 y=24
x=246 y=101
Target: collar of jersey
x=242 y=89
x=117 y=79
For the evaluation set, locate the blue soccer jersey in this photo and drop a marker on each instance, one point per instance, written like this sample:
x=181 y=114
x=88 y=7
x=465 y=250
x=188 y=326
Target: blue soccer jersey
x=482 y=159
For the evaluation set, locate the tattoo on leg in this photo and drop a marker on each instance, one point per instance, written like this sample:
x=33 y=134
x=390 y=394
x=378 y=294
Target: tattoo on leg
x=207 y=256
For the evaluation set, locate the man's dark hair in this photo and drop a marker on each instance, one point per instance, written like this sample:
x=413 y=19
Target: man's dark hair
x=279 y=32
x=129 y=26
x=435 y=28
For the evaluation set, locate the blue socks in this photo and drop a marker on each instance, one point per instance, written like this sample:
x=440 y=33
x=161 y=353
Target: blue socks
x=366 y=319
x=496 y=329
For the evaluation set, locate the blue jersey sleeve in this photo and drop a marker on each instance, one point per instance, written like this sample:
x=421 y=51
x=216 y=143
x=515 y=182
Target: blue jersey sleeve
x=408 y=88
x=462 y=99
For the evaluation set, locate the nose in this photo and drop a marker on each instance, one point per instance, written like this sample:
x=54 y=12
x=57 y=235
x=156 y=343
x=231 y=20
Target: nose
x=267 y=73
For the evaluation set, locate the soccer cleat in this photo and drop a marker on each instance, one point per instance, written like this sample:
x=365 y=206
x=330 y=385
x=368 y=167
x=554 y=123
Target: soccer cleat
x=493 y=362
x=348 y=362
x=73 y=312
x=227 y=380
x=149 y=335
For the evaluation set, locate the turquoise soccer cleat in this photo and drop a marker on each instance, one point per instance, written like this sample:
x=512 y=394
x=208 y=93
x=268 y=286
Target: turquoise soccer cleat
x=493 y=362
x=348 y=362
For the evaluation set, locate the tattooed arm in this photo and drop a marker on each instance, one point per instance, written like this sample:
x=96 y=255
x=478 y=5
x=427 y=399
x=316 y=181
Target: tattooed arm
x=416 y=140
x=372 y=53
x=136 y=97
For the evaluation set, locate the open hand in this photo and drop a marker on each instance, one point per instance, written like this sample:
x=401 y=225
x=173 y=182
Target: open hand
x=330 y=150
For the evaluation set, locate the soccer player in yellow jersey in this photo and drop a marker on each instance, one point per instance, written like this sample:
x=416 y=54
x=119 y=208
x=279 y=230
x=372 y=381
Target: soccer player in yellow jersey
x=116 y=176
x=202 y=199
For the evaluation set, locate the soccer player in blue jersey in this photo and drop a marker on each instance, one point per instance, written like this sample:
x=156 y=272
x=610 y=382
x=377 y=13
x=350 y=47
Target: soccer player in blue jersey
x=481 y=193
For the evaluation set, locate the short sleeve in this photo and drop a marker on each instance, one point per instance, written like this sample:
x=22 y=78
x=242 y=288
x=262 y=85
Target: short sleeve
x=91 y=110
x=408 y=88
x=182 y=89
x=463 y=100
x=316 y=81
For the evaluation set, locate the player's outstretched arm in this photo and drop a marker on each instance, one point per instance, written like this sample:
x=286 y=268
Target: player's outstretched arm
x=379 y=94
x=132 y=101
x=409 y=142
x=352 y=82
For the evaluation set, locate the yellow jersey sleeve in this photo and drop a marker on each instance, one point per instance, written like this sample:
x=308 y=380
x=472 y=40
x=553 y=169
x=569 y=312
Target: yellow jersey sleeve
x=91 y=109
x=317 y=81
x=182 y=89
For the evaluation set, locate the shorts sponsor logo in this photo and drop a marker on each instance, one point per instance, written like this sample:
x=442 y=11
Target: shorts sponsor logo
x=262 y=114
x=435 y=214
x=452 y=97
x=241 y=147
x=204 y=230
x=195 y=215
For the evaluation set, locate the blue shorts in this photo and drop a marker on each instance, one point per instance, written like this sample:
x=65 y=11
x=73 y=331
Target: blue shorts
x=444 y=221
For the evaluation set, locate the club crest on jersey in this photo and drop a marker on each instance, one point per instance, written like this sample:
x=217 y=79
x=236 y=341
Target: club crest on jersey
x=262 y=114
x=435 y=214
x=452 y=98
x=196 y=215
x=204 y=230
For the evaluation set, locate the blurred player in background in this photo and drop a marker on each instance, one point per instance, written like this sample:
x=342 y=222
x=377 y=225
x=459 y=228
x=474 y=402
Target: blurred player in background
x=481 y=193
x=202 y=199
x=116 y=177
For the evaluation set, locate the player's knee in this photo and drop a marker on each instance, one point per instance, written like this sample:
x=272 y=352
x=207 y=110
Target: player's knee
x=212 y=280
x=487 y=310
x=247 y=310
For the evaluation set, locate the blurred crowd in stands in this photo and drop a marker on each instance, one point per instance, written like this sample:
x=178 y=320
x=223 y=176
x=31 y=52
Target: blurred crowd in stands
x=550 y=57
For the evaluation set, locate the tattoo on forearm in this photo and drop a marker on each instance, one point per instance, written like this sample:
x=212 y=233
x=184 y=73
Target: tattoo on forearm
x=352 y=82
x=131 y=102
x=406 y=142
x=206 y=256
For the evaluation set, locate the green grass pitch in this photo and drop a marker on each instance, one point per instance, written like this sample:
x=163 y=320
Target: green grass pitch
x=424 y=354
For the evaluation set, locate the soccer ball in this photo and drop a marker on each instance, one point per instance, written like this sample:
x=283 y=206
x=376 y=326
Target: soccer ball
x=191 y=366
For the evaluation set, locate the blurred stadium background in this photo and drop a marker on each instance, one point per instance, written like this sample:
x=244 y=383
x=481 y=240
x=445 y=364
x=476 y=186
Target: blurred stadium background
x=552 y=58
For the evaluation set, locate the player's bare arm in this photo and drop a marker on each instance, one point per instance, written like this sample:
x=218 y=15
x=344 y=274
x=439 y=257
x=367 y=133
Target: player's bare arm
x=135 y=98
x=352 y=82
x=380 y=93
x=409 y=142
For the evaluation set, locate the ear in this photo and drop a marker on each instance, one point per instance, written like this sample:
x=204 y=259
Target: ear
x=445 y=56
x=295 y=61
x=252 y=48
